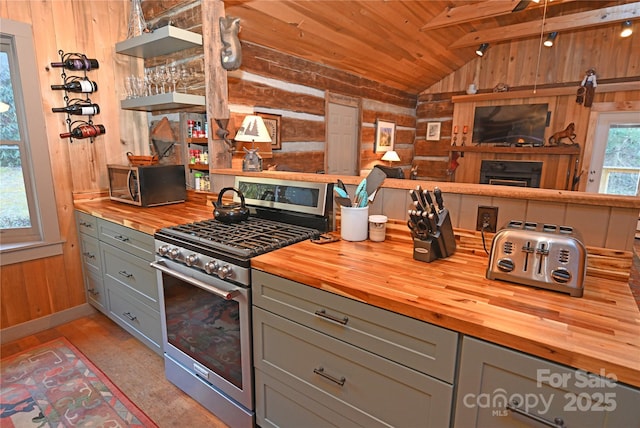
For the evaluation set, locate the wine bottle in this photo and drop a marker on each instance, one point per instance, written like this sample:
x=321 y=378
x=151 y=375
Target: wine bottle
x=77 y=64
x=84 y=131
x=80 y=85
x=79 y=109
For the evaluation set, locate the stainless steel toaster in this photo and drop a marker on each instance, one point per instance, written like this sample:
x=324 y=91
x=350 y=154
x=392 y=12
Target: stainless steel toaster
x=539 y=255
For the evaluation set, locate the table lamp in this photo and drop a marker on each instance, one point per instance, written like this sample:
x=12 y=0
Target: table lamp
x=391 y=156
x=252 y=130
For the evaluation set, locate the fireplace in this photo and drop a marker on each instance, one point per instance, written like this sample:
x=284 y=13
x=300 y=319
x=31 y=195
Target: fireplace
x=511 y=173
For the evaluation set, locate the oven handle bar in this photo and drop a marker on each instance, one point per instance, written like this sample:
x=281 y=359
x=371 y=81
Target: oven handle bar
x=227 y=295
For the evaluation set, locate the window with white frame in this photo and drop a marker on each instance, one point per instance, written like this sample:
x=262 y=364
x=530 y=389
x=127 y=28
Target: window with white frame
x=29 y=226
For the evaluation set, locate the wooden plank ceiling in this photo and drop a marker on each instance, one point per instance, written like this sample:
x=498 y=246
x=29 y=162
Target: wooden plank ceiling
x=410 y=45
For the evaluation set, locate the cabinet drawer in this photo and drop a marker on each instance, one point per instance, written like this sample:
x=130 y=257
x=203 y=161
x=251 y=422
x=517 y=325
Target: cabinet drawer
x=278 y=405
x=416 y=344
x=490 y=376
x=135 y=317
x=87 y=224
x=361 y=386
x=95 y=290
x=133 y=273
x=132 y=241
x=91 y=254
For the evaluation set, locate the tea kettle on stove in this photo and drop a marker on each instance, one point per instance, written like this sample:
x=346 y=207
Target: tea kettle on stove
x=230 y=213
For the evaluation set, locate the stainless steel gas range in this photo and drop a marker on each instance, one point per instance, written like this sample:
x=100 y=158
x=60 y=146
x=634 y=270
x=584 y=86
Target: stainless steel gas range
x=204 y=280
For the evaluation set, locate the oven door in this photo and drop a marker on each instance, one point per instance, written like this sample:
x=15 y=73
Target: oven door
x=206 y=328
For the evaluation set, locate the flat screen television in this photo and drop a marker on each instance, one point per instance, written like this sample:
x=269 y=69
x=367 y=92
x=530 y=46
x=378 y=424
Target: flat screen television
x=512 y=125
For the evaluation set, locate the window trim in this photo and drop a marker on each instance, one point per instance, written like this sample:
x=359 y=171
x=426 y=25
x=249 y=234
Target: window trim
x=49 y=242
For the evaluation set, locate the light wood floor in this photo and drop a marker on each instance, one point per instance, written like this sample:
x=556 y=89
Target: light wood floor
x=133 y=367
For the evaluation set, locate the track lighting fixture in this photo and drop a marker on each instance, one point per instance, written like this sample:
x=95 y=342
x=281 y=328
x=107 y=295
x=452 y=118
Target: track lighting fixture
x=550 y=38
x=482 y=49
x=627 y=29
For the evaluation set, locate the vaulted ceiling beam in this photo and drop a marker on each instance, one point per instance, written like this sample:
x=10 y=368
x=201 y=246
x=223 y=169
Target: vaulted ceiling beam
x=473 y=12
x=574 y=21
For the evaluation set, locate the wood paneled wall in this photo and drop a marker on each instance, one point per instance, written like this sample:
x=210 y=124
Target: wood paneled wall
x=615 y=60
x=45 y=286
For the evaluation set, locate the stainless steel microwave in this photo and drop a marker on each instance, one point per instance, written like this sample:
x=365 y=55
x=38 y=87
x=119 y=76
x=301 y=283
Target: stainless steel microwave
x=147 y=186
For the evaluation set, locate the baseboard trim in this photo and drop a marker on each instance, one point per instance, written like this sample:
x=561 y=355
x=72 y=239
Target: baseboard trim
x=28 y=328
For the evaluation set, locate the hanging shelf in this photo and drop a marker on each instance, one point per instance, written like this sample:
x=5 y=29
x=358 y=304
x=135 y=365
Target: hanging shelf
x=161 y=41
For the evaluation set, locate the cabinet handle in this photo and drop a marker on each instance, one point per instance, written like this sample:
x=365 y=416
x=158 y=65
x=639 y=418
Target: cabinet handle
x=85 y=224
x=89 y=255
x=93 y=291
x=125 y=274
x=121 y=238
x=131 y=317
x=323 y=313
x=320 y=371
x=557 y=422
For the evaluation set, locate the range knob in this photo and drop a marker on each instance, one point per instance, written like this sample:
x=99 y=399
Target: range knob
x=224 y=271
x=163 y=250
x=191 y=259
x=211 y=267
x=173 y=253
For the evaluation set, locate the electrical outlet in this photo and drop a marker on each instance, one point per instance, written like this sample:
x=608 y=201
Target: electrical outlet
x=487 y=216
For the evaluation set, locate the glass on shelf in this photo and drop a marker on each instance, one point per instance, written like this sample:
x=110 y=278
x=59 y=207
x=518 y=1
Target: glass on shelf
x=161 y=79
x=137 y=23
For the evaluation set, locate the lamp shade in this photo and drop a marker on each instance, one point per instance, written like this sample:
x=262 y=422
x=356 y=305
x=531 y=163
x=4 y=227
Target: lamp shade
x=391 y=156
x=253 y=130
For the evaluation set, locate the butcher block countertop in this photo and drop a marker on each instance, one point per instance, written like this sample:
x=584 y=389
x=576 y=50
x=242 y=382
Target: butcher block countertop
x=599 y=332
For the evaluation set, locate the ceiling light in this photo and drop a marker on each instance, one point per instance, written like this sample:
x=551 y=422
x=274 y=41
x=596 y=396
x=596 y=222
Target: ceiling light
x=627 y=30
x=482 y=49
x=550 y=38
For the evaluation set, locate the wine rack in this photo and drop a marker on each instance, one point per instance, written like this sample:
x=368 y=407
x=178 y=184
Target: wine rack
x=64 y=57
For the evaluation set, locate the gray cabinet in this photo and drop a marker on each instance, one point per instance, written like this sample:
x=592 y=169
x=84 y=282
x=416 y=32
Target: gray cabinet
x=500 y=387
x=118 y=278
x=91 y=261
x=325 y=360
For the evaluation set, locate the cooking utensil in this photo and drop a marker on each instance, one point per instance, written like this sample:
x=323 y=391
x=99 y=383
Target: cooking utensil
x=360 y=198
x=230 y=213
x=374 y=181
x=342 y=187
x=341 y=192
x=345 y=202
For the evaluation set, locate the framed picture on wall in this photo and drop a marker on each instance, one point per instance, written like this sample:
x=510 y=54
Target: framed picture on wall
x=272 y=122
x=385 y=136
x=433 y=131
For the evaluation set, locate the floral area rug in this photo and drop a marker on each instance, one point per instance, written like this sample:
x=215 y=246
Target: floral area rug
x=55 y=385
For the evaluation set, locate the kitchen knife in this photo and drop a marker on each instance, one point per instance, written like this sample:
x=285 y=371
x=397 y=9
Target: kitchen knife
x=416 y=200
x=427 y=196
x=436 y=235
x=421 y=198
x=438 y=194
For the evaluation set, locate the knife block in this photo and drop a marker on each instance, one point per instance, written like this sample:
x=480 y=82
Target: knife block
x=425 y=250
x=436 y=247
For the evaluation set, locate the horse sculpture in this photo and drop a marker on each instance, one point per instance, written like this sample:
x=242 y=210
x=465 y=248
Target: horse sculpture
x=231 y=52
x=568 y=132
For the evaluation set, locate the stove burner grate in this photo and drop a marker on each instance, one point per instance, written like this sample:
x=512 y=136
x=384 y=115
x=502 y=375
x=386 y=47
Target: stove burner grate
x=248 y=238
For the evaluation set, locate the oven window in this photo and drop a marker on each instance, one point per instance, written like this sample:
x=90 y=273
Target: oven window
x=205 y=327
